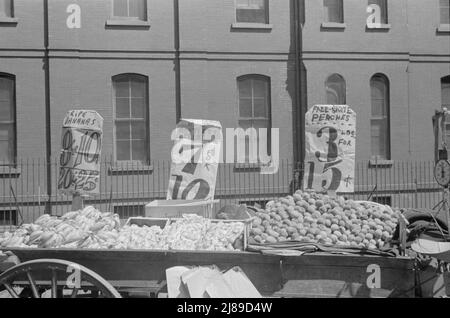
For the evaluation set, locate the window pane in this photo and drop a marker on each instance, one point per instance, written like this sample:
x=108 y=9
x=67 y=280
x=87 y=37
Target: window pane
x=137 y=88
x=7 y=142
x=445 y=11
x=336 y=90
x=138 y=108
x=445 y=92
x=138 y=9
x=379 y=138
x=5 y=8
x=245 y=108
x=123 y=150
x=383 y=9
x=122 y=130
x=139 y=149
x=122 y=88
x=120 y=8
x=260 y=108
x=245 y=88
x=6 y=88
x=251 y=11
x=122 y=108
x=378 y=89
x=5 y=111
x=333 y=11
x=138 y=130
x=259 y=88
x=378 y=108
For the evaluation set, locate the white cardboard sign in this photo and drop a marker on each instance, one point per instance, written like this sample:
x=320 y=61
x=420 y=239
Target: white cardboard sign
x=81 y=142
x=195 y=160
x=330 y=141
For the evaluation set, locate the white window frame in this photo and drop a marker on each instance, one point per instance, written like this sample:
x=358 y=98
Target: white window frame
x=387 y=117
x=132 y=164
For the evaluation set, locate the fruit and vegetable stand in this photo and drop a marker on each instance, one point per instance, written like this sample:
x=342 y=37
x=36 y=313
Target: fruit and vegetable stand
x=286 y=249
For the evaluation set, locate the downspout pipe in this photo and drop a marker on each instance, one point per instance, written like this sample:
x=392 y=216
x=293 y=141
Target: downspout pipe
x=48 y=143
x=176 y=8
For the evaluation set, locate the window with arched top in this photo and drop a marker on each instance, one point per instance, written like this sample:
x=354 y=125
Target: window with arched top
x=131 y=118
x=335 y=88
x=254 y=106
x=7 y=120
x=379 y=121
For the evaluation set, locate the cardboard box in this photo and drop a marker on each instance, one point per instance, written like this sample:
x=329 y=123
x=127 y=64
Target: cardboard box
x=176 y=208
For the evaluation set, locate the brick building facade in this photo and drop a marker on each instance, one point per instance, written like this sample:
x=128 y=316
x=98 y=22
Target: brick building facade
x=203 y=59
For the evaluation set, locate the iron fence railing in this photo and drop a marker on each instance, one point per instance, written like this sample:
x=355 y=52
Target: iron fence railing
x=126 y=188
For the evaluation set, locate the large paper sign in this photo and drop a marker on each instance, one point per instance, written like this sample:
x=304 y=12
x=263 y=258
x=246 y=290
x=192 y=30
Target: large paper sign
x=330 y=138
x=195 y=160
x=79 y=171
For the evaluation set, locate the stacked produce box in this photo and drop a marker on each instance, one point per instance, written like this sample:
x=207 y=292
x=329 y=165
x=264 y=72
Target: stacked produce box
x=303 y=217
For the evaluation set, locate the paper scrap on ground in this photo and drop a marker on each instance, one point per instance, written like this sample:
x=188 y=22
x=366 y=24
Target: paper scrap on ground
x=240 y=284
x=175 y=288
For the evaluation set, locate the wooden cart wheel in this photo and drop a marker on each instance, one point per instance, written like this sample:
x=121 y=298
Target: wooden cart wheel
x=55 y=274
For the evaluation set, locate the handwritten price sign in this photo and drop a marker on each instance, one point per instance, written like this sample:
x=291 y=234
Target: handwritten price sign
x=195 y=160
x=330 y=132
x=79 y=171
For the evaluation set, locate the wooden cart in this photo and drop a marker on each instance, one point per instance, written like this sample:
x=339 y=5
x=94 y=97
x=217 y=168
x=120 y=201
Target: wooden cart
x=115 y=273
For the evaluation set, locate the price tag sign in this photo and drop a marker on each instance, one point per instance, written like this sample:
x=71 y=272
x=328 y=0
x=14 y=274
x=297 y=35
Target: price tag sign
x=79 y=171
x=195 y=160
x=330 y=140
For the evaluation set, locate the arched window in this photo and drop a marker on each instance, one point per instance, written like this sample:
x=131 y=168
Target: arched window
x=336 y=90
x=379 y=121
x=254 y=106
x=131 y=118
x=7 y=119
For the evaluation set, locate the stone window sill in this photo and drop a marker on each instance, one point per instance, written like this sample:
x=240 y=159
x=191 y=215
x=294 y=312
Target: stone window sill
x=259 y=26
x=333 y=25
x=127 y=23
x=9 y=172
x=248 y=167
x=131 y=168
x=379 y=27
x=6 y=20
x=380 y=163
x=443 y=28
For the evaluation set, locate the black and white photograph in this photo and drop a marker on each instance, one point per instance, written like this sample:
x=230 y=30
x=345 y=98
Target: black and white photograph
x=247 y=151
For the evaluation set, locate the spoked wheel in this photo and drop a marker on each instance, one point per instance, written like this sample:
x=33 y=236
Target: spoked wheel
x=58 y=278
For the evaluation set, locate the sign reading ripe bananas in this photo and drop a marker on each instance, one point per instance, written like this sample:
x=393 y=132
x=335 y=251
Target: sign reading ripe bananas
x=195 y=159
x=79 y=171
x=330 y=139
